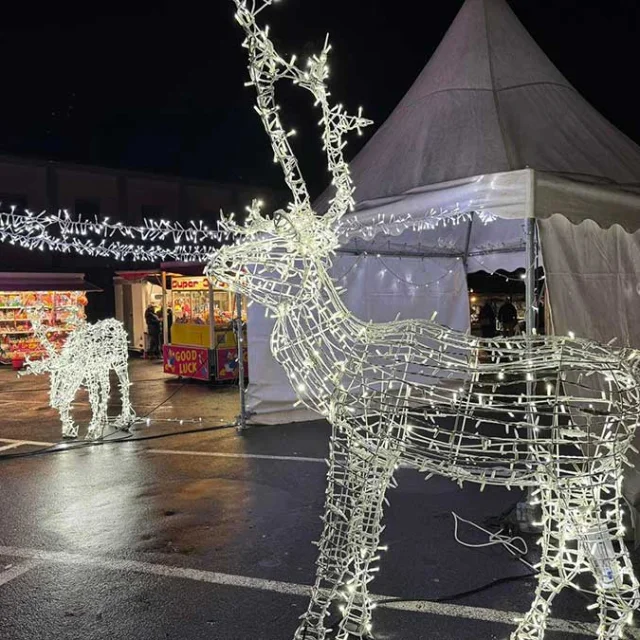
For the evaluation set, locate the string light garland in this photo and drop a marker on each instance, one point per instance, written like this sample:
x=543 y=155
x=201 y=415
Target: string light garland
x=35 y=237
x=195 y=232
x=89 y=354
x=396 y=224
x=506 y=412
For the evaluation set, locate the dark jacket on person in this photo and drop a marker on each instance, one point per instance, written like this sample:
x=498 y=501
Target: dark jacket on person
x=507 y=314
x=487 y=316
x=153 y=322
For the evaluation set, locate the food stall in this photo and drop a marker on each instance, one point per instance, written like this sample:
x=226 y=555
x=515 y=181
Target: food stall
x=62 y=298
x=201 y=341
x=134 y=292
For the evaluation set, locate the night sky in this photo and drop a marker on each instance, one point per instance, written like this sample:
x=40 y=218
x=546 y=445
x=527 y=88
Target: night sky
x=158 y=86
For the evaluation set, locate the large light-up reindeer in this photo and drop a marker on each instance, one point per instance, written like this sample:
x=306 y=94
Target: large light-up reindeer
x=554 y=413
x=86 y=359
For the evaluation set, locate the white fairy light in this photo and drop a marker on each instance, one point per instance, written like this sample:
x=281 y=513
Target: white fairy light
x=510 y=413
x=89 y=354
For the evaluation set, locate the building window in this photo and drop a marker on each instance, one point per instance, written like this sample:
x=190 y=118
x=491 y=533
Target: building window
x=152 y=211
x=18 y=201
x=87 y=207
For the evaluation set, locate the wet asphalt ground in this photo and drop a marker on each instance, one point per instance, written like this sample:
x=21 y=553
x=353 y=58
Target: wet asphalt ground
x=191 y=531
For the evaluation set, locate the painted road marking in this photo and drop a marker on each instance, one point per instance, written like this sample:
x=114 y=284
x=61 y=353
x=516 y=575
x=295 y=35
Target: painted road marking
x=287 y=588
x=11 y=446
x=220 y=454
x=17 y=570
x=21 y=442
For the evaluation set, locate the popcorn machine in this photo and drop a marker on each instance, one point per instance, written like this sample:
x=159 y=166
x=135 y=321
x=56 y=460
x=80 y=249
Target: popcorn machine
x=200 y=329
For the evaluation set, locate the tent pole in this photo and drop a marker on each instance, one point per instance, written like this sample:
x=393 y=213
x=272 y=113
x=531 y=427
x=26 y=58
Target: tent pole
x=527 y=516
x=242 y=418
x=467 y=241
x=165 y=314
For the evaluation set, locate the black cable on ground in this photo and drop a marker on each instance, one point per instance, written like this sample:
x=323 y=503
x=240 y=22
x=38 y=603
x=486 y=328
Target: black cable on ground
x=461 y=594
x=62 y=446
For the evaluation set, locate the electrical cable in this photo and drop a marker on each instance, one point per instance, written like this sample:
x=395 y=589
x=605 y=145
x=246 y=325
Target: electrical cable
x=63 y=446
x=508 y=542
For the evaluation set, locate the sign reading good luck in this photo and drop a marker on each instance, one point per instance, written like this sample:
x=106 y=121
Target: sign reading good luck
x=190 y=362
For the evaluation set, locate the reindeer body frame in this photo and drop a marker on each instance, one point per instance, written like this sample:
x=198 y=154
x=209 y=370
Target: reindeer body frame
x=86 y=359
x=551 y=412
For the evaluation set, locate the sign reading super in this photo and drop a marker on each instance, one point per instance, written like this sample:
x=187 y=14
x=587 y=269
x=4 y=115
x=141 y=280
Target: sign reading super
x=194 y=283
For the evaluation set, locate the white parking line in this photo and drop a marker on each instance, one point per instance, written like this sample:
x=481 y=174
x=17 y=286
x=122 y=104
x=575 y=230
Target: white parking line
x=11 y=446
x=287 y=588
x=17 y=570
x=19 y=443
x=220 y=454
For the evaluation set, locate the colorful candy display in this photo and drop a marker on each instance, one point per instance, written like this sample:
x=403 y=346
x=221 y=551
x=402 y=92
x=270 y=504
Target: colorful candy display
x=62 y=310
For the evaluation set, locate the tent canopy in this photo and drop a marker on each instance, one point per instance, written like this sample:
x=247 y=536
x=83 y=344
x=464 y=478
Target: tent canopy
x=488 y=105
x=489 y=128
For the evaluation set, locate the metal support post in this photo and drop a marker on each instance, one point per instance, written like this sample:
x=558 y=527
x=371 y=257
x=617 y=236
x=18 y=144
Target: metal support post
x=525 y=513
x=242 y=418
x=165 y=313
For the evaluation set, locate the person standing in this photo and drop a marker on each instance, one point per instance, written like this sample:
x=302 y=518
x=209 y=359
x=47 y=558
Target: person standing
x=153 y=331
x=487 y=318
x=169 y=323
x=508 y=317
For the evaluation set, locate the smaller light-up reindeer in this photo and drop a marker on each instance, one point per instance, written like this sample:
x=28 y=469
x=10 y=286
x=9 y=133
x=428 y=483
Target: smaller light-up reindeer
x=89 y=354
x=553 y=413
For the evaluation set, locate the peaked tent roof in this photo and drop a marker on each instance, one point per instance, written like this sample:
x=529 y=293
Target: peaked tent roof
x=489 y=101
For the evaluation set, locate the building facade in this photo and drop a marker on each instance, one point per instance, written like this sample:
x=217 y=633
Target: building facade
x=127 y=196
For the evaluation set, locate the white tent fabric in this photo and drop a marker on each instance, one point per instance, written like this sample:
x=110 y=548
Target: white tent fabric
x=594 y=275
x=489 y=101
x=488 y=105
x=492 y=128
x=376 y=289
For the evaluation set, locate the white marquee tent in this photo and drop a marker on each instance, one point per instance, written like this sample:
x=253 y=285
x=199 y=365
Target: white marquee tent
x=489 y=127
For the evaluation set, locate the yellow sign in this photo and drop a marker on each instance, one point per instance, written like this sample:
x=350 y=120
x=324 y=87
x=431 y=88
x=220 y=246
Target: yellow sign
x=190 y=283
x=194 y=283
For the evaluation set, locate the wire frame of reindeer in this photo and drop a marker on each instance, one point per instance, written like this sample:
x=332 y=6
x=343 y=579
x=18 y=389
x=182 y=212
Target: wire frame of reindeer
x=90 y=353
x=554 y=413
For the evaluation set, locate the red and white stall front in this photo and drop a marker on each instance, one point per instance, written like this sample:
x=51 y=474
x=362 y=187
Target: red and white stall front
x=200 y=326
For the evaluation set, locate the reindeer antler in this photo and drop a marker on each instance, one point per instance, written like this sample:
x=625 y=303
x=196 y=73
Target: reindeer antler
x=265 y=69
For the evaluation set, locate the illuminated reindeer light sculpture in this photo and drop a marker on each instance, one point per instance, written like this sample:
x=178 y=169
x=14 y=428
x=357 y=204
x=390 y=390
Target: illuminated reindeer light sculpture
x=519 y=412
x=86 y=359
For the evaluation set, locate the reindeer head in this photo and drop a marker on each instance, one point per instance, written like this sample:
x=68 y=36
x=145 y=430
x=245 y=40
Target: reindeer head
x=274 y=259
x=37 y=367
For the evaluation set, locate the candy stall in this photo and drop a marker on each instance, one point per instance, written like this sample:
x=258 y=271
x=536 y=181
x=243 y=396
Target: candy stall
x=62 y=299
x=201 y=341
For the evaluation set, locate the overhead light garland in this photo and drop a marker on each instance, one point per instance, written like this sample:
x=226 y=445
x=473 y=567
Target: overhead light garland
x=90 y=353
x=506 y=412
x=396 y=224
x=21 y=232
x=195 y=232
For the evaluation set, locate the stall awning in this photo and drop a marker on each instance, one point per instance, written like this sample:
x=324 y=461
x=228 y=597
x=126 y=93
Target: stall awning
x=138 y=275
x=183 y=268
x=17 y=281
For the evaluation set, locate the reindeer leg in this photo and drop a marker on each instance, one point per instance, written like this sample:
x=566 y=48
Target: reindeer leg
x=558 y=565
x=98 y=414
x=127 y=414
x=335 y=554
x=376 y=470
x=105 y=390
x=608 y=558
x=69 y=428
x=94 y=400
